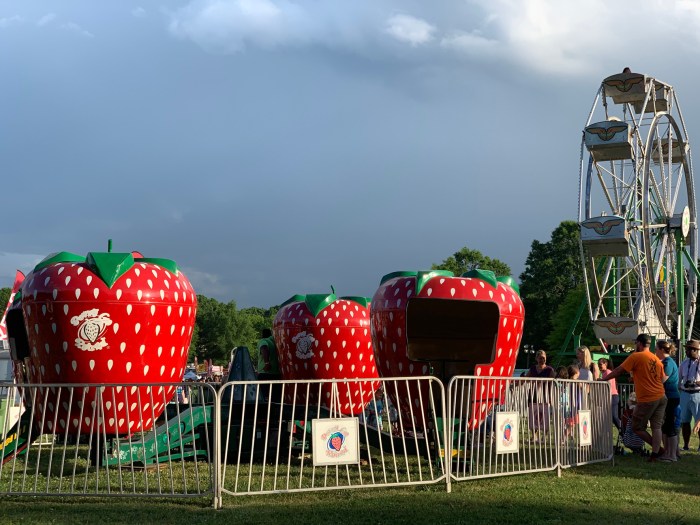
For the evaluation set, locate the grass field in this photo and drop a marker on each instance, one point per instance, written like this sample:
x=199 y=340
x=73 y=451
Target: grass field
x=630 y=491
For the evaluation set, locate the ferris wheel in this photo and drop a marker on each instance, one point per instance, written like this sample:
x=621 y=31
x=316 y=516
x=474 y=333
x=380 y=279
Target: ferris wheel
x=637 y=214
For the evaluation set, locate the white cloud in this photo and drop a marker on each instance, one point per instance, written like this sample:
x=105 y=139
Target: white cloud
x=75 y=28
x=230 y=26
x=546 y=37
x=46 y=19
x=10 y=20
x=138 y=12
x=411 y=30
x=562 y=37
x=204 y=283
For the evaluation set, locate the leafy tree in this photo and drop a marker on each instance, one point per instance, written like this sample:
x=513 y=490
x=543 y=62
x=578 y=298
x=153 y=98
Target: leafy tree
x=465 y=260
x=552 y=270
x=220 y=327
x=4 y=297
x=565 y=316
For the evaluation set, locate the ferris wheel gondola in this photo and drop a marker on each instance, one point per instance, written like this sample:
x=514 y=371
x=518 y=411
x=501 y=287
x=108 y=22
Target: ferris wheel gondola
x=637 y=212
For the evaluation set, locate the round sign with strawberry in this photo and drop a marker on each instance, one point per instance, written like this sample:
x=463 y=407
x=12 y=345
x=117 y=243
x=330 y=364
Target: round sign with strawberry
x=434 y=323
x=106 y=318
x=320 y=336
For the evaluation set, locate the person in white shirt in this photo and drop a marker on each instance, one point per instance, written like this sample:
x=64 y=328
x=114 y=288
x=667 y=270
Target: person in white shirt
x=689 y=385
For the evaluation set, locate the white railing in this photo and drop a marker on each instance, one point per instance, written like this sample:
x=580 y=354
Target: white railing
x=69 y=440
x=504 y=426
x=276 y=436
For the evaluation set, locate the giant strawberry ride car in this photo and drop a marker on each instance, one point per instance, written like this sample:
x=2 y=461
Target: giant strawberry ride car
x=435 y=323
x=321 y=336
x=105 y=318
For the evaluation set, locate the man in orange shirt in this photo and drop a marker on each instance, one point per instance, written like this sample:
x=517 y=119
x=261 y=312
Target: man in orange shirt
x=648 y=376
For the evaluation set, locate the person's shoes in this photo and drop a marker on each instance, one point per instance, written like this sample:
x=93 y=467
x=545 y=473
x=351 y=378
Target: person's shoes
x=664 y=459
x=662 y=451
x=685 y=447
x=653 y=457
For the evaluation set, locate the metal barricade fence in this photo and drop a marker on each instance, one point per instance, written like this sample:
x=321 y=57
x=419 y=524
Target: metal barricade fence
x=333 y=434
x=504 y=426
x=109 y=440
x=188 y=439
x=585 y=420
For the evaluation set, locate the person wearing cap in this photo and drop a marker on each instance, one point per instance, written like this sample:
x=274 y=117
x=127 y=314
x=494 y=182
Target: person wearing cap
x=689 y=384
x=648 y=377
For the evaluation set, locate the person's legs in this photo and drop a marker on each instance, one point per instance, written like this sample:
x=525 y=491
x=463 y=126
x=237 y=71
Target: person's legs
x=670 y=433
x=615 y=407
x=694 y=404
x=686 y=416
x=656 y=420
x=640 y=418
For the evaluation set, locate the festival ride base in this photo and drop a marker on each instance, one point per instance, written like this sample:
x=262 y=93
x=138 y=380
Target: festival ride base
x=178 y=438
x=17 y=438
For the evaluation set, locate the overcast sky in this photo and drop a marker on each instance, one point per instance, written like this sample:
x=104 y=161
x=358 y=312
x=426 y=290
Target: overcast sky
x=273 y=147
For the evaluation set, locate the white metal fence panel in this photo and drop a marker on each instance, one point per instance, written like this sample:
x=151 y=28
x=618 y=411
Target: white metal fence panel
x=585 y=417
x=69 y=440
x=503 y=426
x=279 y=436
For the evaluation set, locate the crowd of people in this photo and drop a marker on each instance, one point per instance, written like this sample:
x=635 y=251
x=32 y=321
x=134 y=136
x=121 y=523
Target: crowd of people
x=666 y=397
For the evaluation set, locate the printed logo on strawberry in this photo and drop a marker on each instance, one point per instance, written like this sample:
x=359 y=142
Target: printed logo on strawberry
x=304 y=344
x=91 y=327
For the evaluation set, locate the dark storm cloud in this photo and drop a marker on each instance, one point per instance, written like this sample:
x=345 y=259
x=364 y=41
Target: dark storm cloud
x=280 y=147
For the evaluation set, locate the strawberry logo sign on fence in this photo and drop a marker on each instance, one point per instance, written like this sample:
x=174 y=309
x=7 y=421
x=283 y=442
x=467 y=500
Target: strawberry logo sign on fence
x=335 y=441
x=506 y=432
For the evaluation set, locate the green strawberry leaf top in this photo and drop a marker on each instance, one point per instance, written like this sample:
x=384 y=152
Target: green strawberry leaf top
x=423 y=277
x=485 y=275
x=362 y=301
x=296 y=298
x=168 y=264
x=60 y=257
x=108 y=266
x=393 y=275
x=510 y=281
x=317 y=302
